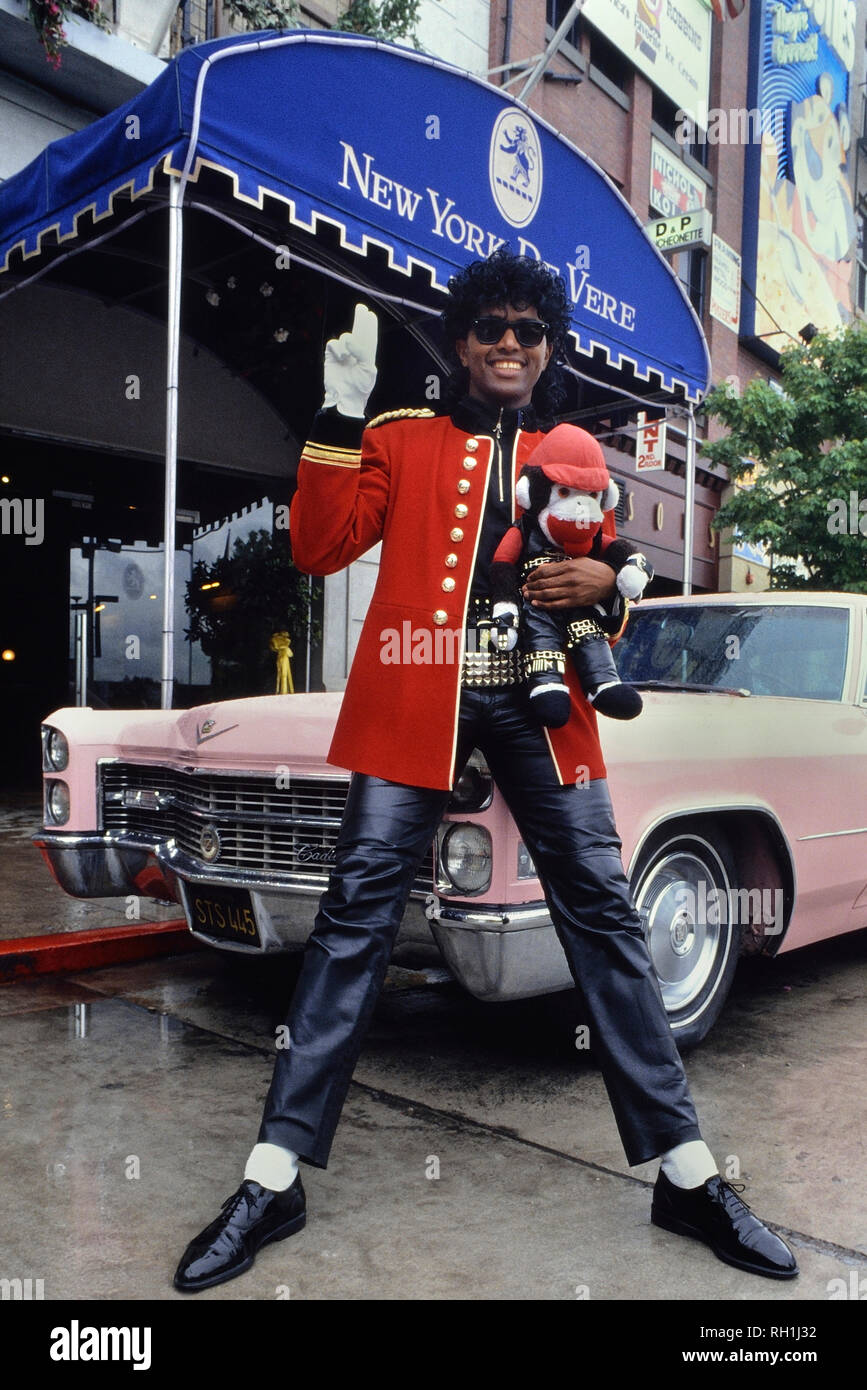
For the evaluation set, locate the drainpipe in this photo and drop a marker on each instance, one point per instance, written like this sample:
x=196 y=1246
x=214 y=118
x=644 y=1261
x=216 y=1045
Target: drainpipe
x=507 y=34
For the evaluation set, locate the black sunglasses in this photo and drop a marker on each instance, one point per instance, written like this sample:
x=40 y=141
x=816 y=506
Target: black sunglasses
x=491 y=329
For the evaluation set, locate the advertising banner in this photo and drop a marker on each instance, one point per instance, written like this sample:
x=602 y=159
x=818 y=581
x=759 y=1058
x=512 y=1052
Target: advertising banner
x=667 y=40
x=675 y=233
x=799 y=225
x=674 y=188
x=649 y=444
x=725 y=284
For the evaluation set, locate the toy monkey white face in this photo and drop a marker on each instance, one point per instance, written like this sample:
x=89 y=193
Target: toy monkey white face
x=568 y=511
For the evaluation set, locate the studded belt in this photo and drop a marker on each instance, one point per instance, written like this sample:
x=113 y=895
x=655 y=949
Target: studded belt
x=490 y=668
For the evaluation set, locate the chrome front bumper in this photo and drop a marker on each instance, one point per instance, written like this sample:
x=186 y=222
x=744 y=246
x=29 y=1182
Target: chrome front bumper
x=500 y=953
x=496 y=953
x=97 y=866
x=106 y=866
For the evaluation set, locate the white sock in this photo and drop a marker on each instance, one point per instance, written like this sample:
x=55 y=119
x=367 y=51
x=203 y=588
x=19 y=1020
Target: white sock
x=690 y=1164
x=272 y=1167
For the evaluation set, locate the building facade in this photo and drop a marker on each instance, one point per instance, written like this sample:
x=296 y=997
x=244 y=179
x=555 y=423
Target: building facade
x=755 y=124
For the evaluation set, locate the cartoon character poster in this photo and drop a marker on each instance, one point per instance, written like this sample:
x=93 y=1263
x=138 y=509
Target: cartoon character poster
x=668 y=40
x=799 y=219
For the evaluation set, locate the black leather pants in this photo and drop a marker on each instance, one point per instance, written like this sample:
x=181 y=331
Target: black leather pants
x=570 y=833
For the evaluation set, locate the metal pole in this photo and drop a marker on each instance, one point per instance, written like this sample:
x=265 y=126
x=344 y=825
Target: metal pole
x=309 y=632
x=89 y=623
x=81 y=621
x=689 y=502
x=172 y=350
x=568 y=21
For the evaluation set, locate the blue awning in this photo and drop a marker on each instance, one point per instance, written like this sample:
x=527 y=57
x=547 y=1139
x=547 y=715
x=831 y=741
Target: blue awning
x=394 y=149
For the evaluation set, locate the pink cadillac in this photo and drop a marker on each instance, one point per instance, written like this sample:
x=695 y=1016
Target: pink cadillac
x=740 y=795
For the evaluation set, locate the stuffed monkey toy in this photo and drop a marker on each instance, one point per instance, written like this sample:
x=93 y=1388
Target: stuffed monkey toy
x=563 y=490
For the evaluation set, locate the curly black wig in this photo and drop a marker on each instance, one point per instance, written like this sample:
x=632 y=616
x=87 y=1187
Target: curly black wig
x=505 y=278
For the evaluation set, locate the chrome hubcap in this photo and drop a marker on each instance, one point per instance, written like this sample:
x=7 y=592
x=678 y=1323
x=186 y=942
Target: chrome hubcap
x=683 y=902
x=682 y=934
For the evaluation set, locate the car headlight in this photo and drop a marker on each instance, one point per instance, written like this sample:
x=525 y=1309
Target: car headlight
x=474 y=789
x=56 y=803
x=465 y=858
x=55 y=750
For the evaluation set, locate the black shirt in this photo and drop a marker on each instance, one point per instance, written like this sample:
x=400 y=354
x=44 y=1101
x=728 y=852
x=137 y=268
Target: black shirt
x=477 y=417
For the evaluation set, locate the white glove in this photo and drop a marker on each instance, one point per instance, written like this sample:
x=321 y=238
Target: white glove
x=350 y=364
x=633 y=578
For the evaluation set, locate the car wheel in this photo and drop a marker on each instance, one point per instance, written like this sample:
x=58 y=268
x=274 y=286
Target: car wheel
x=683 y=889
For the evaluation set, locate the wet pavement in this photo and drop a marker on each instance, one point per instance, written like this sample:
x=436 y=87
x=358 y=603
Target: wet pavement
x=476 y=1159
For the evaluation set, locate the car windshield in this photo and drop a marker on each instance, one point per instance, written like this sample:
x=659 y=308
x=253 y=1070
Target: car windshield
x=796 y=651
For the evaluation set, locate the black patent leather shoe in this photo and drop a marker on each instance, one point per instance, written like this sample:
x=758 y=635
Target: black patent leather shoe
x=715 y=1214
x=249 y=1219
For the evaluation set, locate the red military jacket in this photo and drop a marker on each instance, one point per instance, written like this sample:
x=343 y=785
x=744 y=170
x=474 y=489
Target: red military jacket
x=418 y=483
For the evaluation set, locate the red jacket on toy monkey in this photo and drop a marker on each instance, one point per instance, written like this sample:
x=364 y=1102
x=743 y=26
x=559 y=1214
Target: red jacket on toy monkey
x=564 y=488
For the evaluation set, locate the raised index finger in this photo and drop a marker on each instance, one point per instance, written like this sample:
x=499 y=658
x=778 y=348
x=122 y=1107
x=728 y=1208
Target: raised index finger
x=365 y=327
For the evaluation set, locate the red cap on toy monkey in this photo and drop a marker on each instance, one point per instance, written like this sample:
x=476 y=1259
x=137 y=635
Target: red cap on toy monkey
x=571 y=456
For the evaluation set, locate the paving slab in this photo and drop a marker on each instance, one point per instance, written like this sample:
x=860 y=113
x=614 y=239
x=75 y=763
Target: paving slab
x=498 y=1095
x=778 y=1084
x=125 y=1128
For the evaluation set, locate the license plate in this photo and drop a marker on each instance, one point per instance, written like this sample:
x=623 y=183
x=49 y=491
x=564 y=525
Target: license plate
x=226 y=914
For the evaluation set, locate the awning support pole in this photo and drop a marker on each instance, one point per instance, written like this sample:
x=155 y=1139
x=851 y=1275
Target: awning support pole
x=173 y=333
x=689 y=501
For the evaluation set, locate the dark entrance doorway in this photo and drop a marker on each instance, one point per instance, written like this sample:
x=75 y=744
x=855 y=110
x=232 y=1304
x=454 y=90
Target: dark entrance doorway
x=82 y=536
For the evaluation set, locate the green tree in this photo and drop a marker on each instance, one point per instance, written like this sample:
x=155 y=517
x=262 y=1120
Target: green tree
x=808 y=497
x=251 y=594
x=263 y=14
x=392 y=19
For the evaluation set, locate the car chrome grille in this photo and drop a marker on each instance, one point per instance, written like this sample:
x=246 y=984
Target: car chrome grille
x=266 y=829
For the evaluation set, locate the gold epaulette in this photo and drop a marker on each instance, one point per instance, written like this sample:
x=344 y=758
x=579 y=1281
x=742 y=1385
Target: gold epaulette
x=408 y=414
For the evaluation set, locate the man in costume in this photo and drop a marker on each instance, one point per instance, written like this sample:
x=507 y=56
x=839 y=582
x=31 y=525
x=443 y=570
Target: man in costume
x=438 y=490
